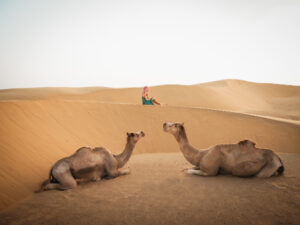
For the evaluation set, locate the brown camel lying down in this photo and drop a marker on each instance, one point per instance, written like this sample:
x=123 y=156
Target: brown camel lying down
x=90 y=164
x=242 y=159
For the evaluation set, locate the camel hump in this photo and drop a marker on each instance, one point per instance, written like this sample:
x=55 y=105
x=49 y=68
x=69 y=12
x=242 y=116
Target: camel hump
x=100 y=149
x=247 y=142
x=83 y=149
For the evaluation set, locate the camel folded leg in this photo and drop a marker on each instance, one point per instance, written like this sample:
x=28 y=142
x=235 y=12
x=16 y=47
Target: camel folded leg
x=272 y=165
x=53 y=186
x=65 y=181
x=93 y=176
x=270 y=169
x=197 y=172
x=124 y=171
x=248 y=168
x=113 y=173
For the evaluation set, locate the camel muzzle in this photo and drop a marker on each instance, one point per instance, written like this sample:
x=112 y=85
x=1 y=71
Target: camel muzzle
x=165 y=126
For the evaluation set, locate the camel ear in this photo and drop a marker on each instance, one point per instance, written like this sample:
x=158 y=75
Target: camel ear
x=127 y=134
x=182 y=123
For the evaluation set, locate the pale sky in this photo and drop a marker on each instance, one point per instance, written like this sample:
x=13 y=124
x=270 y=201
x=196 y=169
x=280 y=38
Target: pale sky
x=135 y=43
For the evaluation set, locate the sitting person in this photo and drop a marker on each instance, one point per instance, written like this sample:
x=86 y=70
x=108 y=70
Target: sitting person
x=145 y=98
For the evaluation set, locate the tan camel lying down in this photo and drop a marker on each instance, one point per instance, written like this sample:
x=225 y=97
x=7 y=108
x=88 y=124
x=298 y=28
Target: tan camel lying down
x=90 y=164
x=242 y=159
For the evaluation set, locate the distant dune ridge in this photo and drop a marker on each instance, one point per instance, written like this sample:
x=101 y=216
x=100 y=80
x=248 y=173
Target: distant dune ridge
x=274 y=100
x=42 y=125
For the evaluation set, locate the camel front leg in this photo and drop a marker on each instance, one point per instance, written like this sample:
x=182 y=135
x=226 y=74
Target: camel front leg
x=96 y=175
x=124 y=171
x=197 y=172
x=113 y=173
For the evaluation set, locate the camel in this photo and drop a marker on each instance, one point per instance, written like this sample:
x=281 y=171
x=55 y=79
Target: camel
x=242 y=159
x=90 y=165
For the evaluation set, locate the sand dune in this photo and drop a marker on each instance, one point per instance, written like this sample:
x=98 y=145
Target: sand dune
x=40 y=126
x=229 y=95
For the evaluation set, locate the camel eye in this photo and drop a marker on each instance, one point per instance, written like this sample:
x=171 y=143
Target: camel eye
x=132 y=135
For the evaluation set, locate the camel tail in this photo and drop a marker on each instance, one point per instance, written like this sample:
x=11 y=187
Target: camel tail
x=45 y=182
x=280 y=170
x=51 y=177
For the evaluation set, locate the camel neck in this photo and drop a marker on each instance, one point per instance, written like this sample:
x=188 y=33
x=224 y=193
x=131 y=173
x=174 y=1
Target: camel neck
x=125 y=155
x=191 y=154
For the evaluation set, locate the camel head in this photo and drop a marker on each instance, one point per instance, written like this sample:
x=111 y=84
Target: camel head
x=135 y=137
x=174 y=128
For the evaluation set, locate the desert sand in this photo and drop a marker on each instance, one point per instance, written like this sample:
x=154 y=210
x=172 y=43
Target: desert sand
x=41 y=125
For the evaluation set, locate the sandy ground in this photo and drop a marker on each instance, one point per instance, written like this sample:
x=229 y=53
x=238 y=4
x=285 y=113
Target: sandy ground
x=159 y=192
x=40 y=126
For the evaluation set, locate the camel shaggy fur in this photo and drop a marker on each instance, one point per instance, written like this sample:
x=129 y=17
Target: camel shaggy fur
x=242 y=159
x=90 y=164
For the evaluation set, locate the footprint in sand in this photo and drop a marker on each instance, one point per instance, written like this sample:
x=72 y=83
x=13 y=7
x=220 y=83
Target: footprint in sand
x=279 y=186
